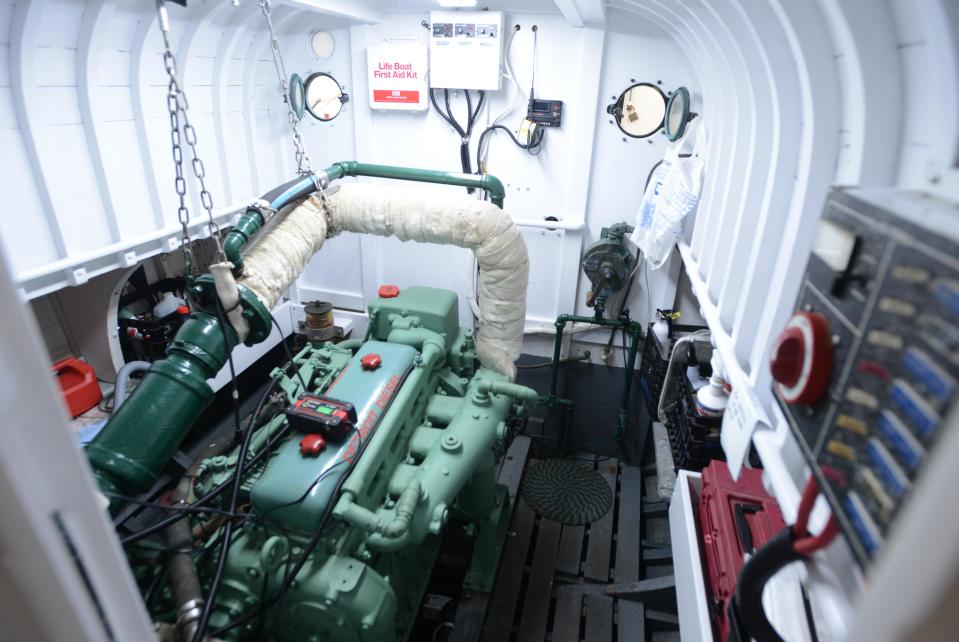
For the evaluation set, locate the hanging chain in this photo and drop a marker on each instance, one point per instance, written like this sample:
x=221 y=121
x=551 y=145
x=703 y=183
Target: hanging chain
x=178 y=106
x=304 y=164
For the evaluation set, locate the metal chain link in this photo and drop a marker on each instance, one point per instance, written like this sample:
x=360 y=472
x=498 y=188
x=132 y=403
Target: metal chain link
x=178 y=106
x=304 y=165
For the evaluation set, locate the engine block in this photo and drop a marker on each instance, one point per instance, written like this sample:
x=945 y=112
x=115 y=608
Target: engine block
x=429 y=428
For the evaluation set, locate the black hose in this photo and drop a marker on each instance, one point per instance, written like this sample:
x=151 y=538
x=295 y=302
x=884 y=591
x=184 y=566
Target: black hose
x=649 y=176
x=204 y=620
x=310 y=545
x=465 y=134
x=198 y=505
x=533 y=142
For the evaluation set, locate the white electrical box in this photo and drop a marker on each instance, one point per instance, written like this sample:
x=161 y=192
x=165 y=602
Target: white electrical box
x=397 y=76
x=466 y=49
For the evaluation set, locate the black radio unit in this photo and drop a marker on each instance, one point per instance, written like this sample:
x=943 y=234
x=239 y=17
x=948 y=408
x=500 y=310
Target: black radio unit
x=546 y=113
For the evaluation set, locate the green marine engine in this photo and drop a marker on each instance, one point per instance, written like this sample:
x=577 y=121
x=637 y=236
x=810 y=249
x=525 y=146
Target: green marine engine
x=393 y=438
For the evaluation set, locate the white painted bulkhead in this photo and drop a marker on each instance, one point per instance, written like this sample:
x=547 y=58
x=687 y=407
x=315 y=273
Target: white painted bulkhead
x=795 y=97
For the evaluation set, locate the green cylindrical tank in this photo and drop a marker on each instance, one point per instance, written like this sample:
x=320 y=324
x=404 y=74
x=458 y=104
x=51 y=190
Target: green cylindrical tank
x=142 y=436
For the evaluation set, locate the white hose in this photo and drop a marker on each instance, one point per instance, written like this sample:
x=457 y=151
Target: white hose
x=425 y=217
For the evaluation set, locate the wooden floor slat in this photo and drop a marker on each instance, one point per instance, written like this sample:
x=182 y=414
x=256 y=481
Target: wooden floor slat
x=506 y=593
x=514 y=463
x=599 y=618
x=598 y=546
x=569 y=612
x=628 y=530
x=630 y=621
x=539 y=589
x=552 y=578
x=570 y=550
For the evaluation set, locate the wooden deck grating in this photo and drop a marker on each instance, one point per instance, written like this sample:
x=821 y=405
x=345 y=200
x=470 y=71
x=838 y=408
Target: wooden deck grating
x=554 y=581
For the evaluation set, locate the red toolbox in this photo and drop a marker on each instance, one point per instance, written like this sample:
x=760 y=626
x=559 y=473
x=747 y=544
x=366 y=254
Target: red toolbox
x=736 y=518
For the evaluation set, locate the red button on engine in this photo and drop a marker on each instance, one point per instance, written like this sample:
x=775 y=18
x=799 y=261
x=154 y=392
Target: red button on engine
x=371 y=361
x=312 y=445
x=388 y=291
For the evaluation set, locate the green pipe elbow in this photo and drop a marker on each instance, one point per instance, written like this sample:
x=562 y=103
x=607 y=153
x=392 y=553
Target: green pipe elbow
x=246 y=226
x=418 y=338
x=355 y=515
x=405 y=508
x=526 y=397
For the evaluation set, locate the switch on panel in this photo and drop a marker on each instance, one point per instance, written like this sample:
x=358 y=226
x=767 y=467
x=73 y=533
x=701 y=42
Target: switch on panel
x=802 y=358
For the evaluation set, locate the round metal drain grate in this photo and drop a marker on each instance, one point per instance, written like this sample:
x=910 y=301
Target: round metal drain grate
x=566 y=491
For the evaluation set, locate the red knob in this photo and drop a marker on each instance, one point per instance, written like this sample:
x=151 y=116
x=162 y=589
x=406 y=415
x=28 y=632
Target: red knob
x=312 y=445
x=802 y=358
x=371 y=361
x=787 y=358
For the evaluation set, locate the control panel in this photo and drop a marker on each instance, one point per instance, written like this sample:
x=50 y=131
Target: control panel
x=466 y=49
x=866 y=369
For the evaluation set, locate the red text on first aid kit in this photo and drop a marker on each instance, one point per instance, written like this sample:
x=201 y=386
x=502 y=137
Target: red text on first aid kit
x=395 y=70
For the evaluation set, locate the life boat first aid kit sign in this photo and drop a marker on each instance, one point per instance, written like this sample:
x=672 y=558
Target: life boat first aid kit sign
x=397 y=76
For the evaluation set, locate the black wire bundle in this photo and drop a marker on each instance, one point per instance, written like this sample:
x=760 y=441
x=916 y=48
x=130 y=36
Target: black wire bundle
x=534 y=140
x=230 y=523
x=308 y=548
x=465 y=133
x=315 y=538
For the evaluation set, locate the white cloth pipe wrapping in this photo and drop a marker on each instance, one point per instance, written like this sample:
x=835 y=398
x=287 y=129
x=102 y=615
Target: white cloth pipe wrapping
x=426 y=217
x=230 y=298
x=280 y=255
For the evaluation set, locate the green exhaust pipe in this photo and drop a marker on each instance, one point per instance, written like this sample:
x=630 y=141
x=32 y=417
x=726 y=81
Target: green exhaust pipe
x=138 y=441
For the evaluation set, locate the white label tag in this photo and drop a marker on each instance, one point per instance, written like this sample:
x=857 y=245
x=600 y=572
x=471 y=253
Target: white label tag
x=743 y=415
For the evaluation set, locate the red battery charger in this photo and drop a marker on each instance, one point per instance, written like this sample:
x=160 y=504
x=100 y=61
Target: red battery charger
x=736 y=518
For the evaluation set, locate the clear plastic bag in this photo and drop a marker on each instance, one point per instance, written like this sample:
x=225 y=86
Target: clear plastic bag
x=672 y=193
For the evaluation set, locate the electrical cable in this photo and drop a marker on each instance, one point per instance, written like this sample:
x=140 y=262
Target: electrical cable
x=483 y=149
x=204 y=621
x=310 y=545
x=466 y=133
x=289 y=355
x=182 y=511
x=535 y=134
x=534 y=139
x=532 y=78
x=649 y=176
x=171 y=507
x=234 y=392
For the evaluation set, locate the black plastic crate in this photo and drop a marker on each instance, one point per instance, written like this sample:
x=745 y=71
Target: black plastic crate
x=652 y=368
x=694 y=439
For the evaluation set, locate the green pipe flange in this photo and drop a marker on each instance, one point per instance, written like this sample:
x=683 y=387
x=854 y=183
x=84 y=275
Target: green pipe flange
x=203 y=293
